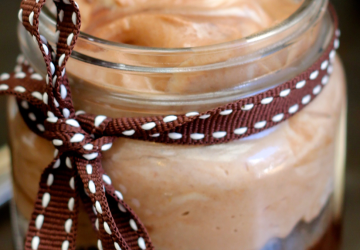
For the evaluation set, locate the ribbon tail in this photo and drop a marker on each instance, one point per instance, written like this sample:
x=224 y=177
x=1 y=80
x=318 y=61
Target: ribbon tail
x=110 y=221
x=53 y=223
x=128 y=223
x=103 y=222
x=104 y=240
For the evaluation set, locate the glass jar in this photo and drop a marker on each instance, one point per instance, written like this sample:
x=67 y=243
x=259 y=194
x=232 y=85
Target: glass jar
x=280 y=189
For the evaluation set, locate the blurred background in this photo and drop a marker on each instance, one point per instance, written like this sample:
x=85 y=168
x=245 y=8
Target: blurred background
x=349 y=12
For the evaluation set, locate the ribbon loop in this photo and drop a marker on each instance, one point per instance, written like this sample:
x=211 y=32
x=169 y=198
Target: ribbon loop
x=68 y=29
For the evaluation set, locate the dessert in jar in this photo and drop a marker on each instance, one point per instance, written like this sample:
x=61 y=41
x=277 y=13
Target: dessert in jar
x=277 y=189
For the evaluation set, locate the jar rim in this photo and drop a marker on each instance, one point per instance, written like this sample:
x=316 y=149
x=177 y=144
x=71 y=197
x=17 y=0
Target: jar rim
x=308 y=12
x=305 y=9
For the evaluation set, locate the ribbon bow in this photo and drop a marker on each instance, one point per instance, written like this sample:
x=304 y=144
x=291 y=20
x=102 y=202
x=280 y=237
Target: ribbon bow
x=76 y=172
x=76 y=165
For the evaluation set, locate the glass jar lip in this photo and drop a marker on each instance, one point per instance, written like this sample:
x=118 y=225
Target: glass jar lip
x=305 y=9
x=308 y=13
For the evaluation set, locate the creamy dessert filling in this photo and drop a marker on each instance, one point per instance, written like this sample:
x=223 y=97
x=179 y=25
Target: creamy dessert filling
x=184 y=23
x=245 y=192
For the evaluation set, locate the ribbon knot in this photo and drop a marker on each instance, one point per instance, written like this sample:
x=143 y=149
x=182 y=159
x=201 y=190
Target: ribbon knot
x=67 y=135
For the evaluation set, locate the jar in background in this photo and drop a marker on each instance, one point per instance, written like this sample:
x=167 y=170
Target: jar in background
x=280 y=189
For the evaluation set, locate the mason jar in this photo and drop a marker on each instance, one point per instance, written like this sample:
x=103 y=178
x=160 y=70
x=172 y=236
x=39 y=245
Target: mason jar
x=280 y=189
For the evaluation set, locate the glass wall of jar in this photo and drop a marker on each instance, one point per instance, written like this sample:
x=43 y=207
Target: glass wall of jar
x=278 y=189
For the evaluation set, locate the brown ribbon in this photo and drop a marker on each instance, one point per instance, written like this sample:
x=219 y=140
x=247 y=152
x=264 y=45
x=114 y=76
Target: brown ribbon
x=76 y=172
